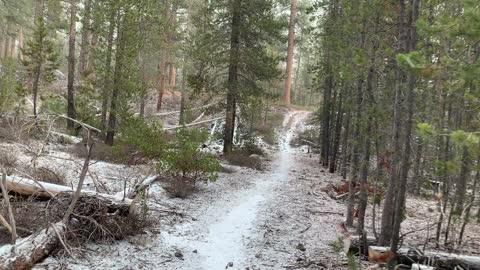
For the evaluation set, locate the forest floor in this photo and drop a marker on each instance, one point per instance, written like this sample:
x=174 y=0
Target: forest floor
x=272 y=219
x=278 y=218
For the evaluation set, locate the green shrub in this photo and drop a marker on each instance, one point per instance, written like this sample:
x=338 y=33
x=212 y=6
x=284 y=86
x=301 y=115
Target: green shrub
x=53 y=104
x=85 y=101
x=186 y=163
x=249 y=147
x=148 y=138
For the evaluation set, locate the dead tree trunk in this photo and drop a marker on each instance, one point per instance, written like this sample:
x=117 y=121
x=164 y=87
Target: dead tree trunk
x=28 y=251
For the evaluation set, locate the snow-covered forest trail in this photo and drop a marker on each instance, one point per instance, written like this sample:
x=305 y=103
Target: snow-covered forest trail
x=272 y=219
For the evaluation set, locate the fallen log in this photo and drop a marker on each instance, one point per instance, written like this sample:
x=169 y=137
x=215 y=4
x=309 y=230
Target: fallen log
x=30 y=250
x=28 y=187
x=140 y=187
x=440 y=260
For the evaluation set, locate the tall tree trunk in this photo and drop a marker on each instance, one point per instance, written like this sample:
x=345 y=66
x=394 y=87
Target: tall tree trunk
x=90 y=69
x=411 y=80
x=13 y=42
x=355 y=154
x=326 y=121
x=20 y=44
x=39 y=10
x=143 y=78
x=338 y=133
x=35 y=84
x=365 y=164
x=6 y=50
x=444 y=174
x=1 y=47
x=119 y=56
x=86 y=33
x=173 y=77
x=71 y=66
x=184 y=68
x=298 y=90
x=163 y=78
x=170 y=13
x=291 y=48
x=345 y=148
x=364 y=168
x=107 y=82
x=388 y=214
x=233 y=69
x=418 y=180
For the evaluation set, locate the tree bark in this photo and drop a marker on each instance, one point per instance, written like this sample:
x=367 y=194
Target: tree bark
x=107 y=83
x=338 y=133
x=354 y=169
x=345 y=144
x=12 y=48
x=7 y=46
x=291 y=48
x=388 y=213
x=184 y=68
x=418 y=181
x=71 y=66
x=326 y=121
x=411 y=42
x=31 y=250
x=112 y=119
x=86 y=33
x=232 y=83
x=20 y=44
x=163 y=78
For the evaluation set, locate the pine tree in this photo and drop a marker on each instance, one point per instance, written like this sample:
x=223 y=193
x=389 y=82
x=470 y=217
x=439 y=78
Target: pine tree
x=41 y=59
x=237 y=39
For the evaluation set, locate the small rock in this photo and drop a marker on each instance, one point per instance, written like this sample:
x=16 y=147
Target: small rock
x=178 y=254
x=301 y=247
x=195 y=251
x=230 y=264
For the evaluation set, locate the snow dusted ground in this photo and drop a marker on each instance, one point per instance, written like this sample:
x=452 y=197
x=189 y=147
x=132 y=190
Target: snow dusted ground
x=273 y=219
x=246 y=220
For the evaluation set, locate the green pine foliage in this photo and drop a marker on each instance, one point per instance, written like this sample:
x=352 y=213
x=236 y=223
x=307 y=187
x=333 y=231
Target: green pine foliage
x=185 y=160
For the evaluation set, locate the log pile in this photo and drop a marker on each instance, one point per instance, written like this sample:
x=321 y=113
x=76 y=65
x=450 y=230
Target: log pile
x=98 y=216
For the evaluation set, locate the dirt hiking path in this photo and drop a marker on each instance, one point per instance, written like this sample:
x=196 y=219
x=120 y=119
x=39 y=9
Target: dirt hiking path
x=276 y=219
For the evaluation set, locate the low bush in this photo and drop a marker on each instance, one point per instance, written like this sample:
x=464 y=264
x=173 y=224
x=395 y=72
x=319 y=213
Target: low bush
x=147 y=138
x=249 y=146
x=186 y=164
x=137 y=142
